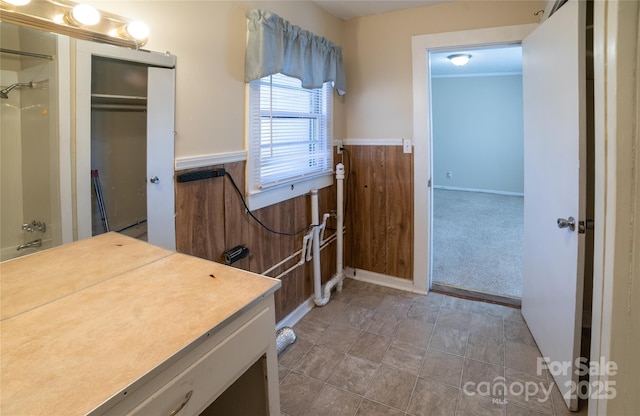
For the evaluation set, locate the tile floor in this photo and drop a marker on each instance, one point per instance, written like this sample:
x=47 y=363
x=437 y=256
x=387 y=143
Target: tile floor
x=378 y=351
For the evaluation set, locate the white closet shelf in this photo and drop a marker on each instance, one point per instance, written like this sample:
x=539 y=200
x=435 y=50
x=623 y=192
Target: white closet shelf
x=118 y=102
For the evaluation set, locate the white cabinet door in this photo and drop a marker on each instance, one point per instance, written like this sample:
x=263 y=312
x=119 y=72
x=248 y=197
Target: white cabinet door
x=160 y=157
x=555 y=135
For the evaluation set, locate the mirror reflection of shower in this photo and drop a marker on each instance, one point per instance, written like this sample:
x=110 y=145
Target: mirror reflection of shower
x=29 y=150
x=4 y=93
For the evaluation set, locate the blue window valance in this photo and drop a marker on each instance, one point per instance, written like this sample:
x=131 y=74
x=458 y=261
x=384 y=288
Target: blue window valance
x=276 y=46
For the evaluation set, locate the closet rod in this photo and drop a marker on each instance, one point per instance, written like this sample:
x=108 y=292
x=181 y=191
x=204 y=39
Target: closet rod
x=128 y=107
x=29 y=54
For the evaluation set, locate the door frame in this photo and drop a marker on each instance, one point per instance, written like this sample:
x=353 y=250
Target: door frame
x=616 y=219
x=84 y=51
x=421 y=45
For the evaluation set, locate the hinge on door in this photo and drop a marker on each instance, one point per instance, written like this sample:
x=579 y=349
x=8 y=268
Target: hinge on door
x=429 y=183
x=583 y=226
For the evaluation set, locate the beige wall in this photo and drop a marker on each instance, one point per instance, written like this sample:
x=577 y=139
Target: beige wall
x=208 y=38
x=377 y=54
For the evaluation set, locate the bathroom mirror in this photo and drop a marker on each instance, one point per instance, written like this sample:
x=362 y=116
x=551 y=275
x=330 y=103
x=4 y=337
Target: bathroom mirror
x=30 y=210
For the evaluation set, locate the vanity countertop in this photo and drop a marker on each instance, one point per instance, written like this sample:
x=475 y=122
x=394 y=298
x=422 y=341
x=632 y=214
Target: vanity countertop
x=83 y=321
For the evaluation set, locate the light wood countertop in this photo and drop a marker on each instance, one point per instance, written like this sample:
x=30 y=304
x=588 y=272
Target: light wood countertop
x=83 y=321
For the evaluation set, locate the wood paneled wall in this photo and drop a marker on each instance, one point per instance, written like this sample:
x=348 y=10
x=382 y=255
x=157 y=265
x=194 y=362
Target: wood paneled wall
x=211 y=219
x=379 y=218
x=380 y=210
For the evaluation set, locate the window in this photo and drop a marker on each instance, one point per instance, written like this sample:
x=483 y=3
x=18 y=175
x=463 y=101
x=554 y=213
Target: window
x=289 y=139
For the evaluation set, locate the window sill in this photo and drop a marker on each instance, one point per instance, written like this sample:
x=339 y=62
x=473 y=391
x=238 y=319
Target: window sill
x=270 y=196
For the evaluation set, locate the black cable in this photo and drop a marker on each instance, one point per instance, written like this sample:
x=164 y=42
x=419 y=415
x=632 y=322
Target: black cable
x=227 y=174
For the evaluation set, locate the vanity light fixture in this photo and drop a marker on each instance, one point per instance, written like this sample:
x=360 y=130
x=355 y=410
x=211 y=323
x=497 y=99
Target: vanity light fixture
x=80 y=21
x=459 y=59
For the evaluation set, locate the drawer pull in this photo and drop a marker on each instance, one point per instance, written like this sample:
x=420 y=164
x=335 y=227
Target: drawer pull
x=184 y=403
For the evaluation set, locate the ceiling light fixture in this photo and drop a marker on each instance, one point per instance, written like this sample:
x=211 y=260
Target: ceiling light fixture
x=459 y=59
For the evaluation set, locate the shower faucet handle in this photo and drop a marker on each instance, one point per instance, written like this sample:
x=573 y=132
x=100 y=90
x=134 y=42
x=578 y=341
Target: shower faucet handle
x=35 y=226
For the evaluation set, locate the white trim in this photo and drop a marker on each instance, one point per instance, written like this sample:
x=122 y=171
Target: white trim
x=200 y=161
x=421 y=45
x=484 y=191
x=111 y=51
x=64 y=137
x=613 y=335
x=274 y=195
x=372 y=142
x=297 y=314
x=382 y=280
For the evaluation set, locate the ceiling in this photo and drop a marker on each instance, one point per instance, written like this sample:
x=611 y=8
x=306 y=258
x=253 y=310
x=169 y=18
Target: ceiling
x=349 y=9
x=498 y=60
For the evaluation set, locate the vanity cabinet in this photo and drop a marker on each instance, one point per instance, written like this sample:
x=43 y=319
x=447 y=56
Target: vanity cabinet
x=115 y=326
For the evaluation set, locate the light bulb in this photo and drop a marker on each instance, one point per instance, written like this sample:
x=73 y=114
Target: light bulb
x=17 y=2
x=85 y=14
x=138 y=30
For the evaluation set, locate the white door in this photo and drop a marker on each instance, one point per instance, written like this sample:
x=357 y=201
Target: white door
x=555 y=165
x=160 y=157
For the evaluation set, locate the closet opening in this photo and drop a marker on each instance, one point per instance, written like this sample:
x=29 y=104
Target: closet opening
x=119 y=147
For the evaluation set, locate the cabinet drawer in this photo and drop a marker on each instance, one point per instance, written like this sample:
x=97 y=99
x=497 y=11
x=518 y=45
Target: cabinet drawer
x=202 y=382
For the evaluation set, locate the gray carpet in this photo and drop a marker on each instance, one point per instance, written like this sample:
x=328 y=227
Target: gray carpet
x=477 y=241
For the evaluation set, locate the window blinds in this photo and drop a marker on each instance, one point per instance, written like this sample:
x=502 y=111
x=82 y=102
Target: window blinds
x=290 y=131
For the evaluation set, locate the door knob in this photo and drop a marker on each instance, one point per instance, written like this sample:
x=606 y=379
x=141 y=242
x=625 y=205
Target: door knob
x=154 y=179
x=569 y=223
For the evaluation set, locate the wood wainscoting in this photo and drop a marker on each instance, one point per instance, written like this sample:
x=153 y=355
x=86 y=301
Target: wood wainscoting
x=210 y=219
x=379 y=217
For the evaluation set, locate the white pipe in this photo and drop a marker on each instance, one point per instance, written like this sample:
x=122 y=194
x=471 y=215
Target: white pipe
x=340 y=224
x=302 y=252
x=323 y=227
x=300 y=263
x=315 y=221
x=321 y=299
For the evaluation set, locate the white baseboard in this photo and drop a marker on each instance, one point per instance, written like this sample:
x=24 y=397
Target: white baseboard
x=297 y=314
x=382 y=280
x=484 y=191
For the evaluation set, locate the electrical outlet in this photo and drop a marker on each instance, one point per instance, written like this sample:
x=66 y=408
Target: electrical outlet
x=338 y=146
x=406 y=145
x=449 y=175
